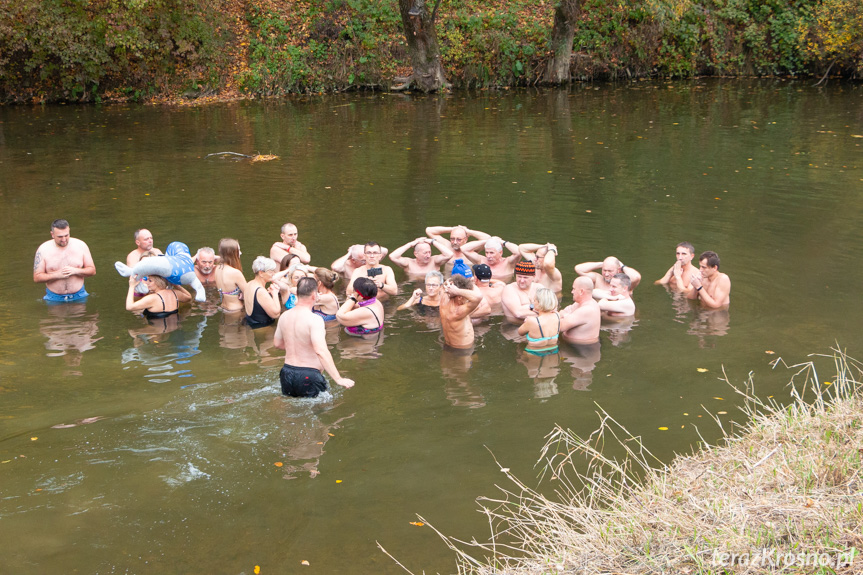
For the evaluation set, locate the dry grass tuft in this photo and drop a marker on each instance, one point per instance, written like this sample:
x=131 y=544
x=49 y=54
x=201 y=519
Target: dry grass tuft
x=789 y=482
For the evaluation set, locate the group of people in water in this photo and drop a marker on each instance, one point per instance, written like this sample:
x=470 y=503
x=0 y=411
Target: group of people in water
x=474 y=284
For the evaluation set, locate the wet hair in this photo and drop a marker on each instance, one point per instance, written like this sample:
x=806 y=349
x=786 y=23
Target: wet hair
x=371 y=245
x=284 y=227
x=365 y=287
x=207 y=251
x=286 y=261
x=307 y=286
x=625 y=280
x=263 y=264
x=688 y=246
x=711 y=257
x=461 y=282
x=327 y=277
x=435 y=274
x=494 y=245
x=59 y=225
x=545 y=300
x=159 y=280
x=229 y=253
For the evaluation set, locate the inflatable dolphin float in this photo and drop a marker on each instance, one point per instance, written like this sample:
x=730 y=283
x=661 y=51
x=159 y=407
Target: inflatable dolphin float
x=176 y=266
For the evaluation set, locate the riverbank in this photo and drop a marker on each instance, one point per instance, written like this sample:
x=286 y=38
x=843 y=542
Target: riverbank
x=782 y=494
x=172 y=52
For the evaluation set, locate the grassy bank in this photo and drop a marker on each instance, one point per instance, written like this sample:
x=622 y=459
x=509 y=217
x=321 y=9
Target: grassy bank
x=154 y=49
x=782 y=495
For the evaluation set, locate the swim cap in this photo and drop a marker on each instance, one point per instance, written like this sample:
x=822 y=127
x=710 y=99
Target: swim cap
x=460 y=268
x=525 y=268
x=482 y=272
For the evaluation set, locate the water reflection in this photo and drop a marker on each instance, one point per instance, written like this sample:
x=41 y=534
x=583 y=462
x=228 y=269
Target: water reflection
x=582 y=359
x=455 y=364
x=709 y=322
x=164 y=344
x=542 y=368
x=70 y=332
x=355 y=346
x=619 y=329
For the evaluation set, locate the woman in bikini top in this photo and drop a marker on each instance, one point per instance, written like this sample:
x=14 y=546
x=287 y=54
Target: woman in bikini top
x=162 y=301
x=229 y=275
x=543 y=330
x=362 y=314
x=328 y=302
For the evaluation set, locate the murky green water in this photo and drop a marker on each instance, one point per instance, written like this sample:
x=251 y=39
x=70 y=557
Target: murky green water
x=179 y=475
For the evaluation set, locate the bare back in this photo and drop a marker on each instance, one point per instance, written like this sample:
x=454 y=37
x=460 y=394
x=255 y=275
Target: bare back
x=581 y=324
x=296 y=328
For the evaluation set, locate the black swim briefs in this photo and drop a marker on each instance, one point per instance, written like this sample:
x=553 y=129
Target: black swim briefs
x=302 y=381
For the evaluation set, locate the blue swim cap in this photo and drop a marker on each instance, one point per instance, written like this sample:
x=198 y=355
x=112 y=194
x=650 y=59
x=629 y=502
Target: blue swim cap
x=460 y=268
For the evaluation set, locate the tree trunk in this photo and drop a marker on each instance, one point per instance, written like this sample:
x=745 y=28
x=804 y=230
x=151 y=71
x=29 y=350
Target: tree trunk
x=423 y=48
x=565 y=14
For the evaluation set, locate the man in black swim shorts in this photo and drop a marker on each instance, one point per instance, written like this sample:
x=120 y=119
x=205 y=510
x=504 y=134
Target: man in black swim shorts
x=301 y=333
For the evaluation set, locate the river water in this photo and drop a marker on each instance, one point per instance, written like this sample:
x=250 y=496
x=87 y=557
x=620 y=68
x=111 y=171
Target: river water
x=128 y=448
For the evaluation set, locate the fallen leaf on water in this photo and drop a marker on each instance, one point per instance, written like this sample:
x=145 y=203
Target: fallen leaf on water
x=856 y=136
x=702 y=369
x=304 y=562
x=7 y=461
x=722 y=412
x=417 y=523
x=338 y=480
x=809 y=502
x=331 y=435
x=257 y=569
x=33 y=438
x=719 y=398
x=828 y=383
x=684 y=413
x=663 y=429
x=770 y=352
x=278 y=463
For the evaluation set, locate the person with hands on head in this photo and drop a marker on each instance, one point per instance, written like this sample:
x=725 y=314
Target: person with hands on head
x=382 y=275
x=679 y=276
x=501 y=267
x=423 y=260
x=602 y=281
x=458 y=237
x=458 y=301
x=262 y=309
x=544 y=257
x=302 y=335
x=709 y=285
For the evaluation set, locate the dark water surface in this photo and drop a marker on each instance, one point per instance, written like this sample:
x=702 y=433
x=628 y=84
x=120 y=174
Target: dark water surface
x=179 y=473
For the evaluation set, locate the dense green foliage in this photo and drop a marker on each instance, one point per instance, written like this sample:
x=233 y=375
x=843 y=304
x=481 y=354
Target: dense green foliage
x=86 y=49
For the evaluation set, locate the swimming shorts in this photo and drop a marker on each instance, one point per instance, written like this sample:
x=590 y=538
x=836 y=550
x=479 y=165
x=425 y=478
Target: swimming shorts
x=68 y=297
x=302 y=381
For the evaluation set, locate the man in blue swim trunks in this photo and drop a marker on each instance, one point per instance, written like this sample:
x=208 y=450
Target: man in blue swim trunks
x=62 y=264
x=301 y=333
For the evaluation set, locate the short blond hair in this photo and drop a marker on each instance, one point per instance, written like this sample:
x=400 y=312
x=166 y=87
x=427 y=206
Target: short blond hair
x=545 y=300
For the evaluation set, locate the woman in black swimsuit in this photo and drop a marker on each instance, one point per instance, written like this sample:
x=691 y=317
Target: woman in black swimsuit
x=262 y=303
x=162 y=301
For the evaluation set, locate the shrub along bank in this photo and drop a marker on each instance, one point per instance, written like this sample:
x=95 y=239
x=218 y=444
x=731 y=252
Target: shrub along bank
x=85 y=50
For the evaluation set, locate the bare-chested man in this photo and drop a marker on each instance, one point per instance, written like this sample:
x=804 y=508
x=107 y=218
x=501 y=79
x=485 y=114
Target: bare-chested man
x=205 y=266
x=544 y=256
x=458 y=301
x=458 y=236
x=62 y=264
x=710 y=285
x=492 y=289
x=517 y=296
x=423 y=261
x=382 y=275
x=618 y=302
x=348 y=263
x=602 y=281
x=143 y=244
x=579 y=322
x=289 y=245
x=301 y=333
x=679 y=276
x=501 y=267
